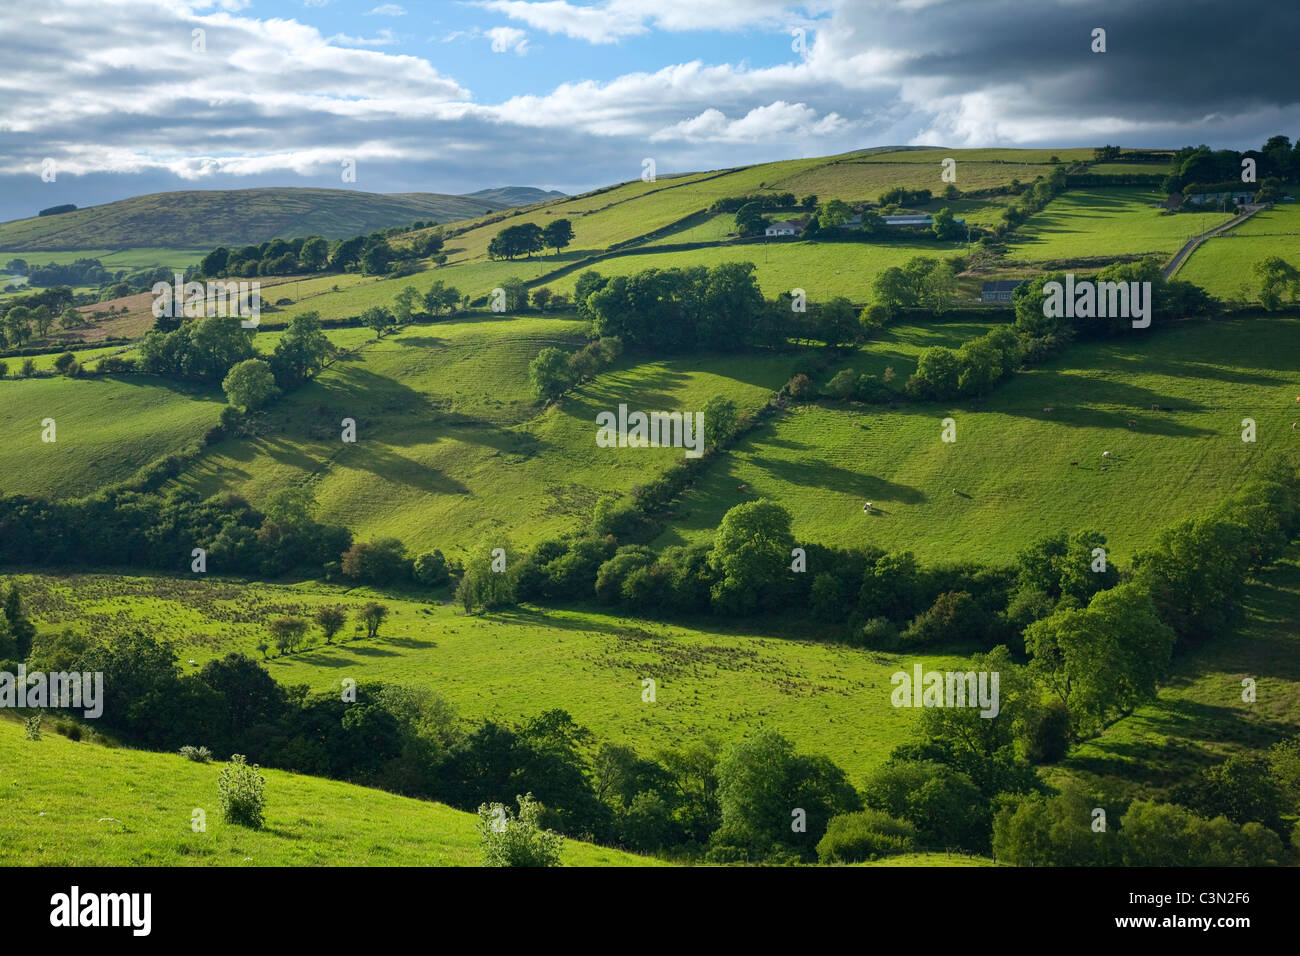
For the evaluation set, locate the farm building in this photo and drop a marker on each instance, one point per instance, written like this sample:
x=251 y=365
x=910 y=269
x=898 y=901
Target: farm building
x=999 y=290
x=921 y=221
x=1238 y=197
x=786 y=227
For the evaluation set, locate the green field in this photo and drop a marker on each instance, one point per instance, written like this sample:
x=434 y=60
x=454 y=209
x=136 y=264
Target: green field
x=105 y=429
x=1007 y=480
x=451 y=446
x=1222 y=265
x=141 y=257
x=713 y=678
x=84 y=804
x=1200 y=718
x=1090 y=223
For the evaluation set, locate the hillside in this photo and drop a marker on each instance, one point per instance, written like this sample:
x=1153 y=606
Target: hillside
x=236 y=217
x=79 y=804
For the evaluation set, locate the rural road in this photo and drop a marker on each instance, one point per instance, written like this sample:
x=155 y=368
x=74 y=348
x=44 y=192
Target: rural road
x=1195 y=241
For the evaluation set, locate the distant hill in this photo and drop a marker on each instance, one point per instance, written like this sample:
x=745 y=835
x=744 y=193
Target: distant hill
x=202 y=219
x=517 y=195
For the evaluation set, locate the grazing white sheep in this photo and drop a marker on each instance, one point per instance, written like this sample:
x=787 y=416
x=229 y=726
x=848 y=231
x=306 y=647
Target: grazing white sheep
x=866 y=509
x=1105 y=454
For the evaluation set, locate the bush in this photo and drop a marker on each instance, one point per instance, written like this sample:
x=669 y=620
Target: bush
x=32 y=727
x=1045 y=734
x=197 y=754
x=800 y=387
x=430 y=569
x=517 y=841
x=68 y=728
x=879 y=633
x=242 y=790
x=865 y=835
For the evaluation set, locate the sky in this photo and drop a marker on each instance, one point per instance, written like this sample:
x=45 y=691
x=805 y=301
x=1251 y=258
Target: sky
x=105 y=99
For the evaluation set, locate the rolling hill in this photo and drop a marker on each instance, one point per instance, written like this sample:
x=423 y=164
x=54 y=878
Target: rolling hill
x=202 y=219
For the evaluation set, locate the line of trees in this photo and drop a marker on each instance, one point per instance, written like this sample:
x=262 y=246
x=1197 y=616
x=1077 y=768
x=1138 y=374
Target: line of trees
x=525 y=239
x=371 y=254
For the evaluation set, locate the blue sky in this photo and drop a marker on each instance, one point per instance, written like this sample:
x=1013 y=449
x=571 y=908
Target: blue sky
x=113 y=98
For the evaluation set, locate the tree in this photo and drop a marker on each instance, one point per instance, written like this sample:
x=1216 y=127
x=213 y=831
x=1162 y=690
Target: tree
x=377 y=318
x=751 y=553
x=375 y=259
x=301 y=352
x=1101 y=660
x=431 y=569
x=372 y=615
x=541 y=297
x=330 y=619
x=548 y=374
x=250 y=384
x=1276 y=276
x=1051 y=831
x=835 y=213
x=71 y=318
x=440 y=297
x=808 y=203
x=405 y=303
x=837 y=322
x=287 y=633
x=380 y=561
x=938 y=288
x=21 y=630
x=314 y=254
x=749 y=219
x=761 y=781
x=721 y=422
x=1242 y=788
x=892 y=290
x=558 y=234
x=864 y=835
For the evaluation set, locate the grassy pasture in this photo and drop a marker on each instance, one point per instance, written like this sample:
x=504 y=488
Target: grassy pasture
x=713 y=678
x=106 y=429
x=1199 y=717
x=823 y=269
x=451 y=446
x=1007 y=480
x=84 y=804
x=1222 y=265
x=1085 y=223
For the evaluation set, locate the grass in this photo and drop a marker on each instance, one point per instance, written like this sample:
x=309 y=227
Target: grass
x=1010 y=466
x=83 y=804
x=105 y=429
x=1222 y=265
x=452 y=448
x=137 y=257
x=1199 y=718
x=1086 y=223
x=822 y=269
x=713 y=678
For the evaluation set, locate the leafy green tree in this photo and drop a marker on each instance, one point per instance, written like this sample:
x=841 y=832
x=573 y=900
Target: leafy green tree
x=250 y=384
x=380 y=561
x=330 y=619
x=301 y=352
x=837 y=322
x=287 y=633
x=721 y=422
x=548 y=374
x=892 y=290
x=1052 y=831
x=375 y=259
x=942 y=805
x=21 y=629
x=762 y=781
x=314 y=254
x=1102 y=660
x=372 y=615
x=749 y=219
x=558 y=234
x=834 y=213
x=1156 y=834
x=405 y=304
x=1242 y=788
x=864 y=835
x=517 y=840
x=377 y=318
x=751 y=552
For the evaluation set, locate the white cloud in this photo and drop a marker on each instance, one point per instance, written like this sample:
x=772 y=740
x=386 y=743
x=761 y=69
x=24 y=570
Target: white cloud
x=385 y=37
x=608 y=21
x=387 y=10
x=508 y=39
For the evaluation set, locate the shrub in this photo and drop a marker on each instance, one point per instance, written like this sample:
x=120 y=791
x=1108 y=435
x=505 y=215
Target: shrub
x=197 y=754
x=68 y=728
x=430 y=569
x=242 y=791
x=32 y=727
x=843 y=385
x=519 y=840
x=800 y=387
x=879 y=633
x=865 y=835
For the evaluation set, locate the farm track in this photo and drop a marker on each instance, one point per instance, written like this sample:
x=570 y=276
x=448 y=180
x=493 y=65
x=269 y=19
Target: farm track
x=1192 y=244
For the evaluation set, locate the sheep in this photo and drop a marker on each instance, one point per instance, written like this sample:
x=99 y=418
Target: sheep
x=1156 y=408
x=1074 y=463
x=866 y=509
x=1049 y=410
x=1105 y=454
x=1132 y=423
x=740 y=487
